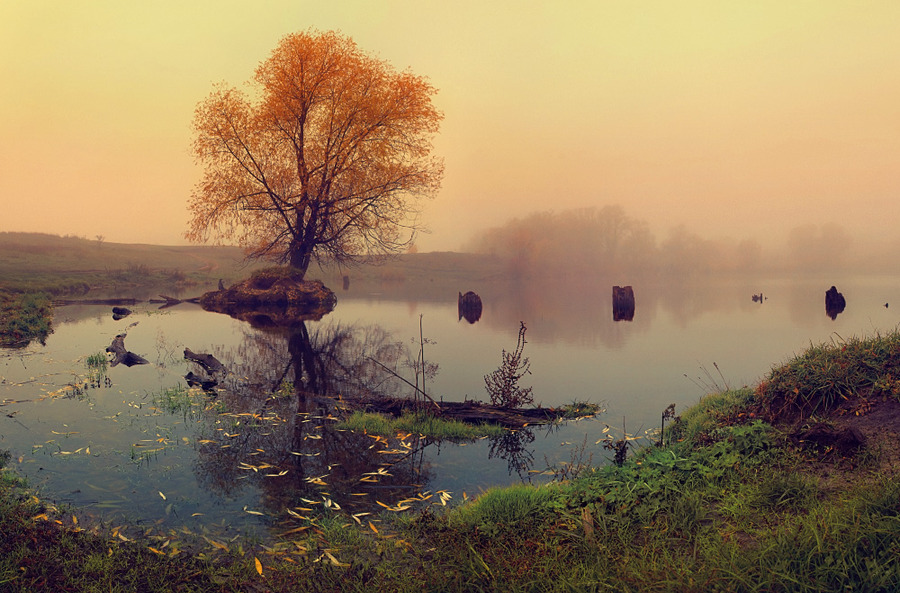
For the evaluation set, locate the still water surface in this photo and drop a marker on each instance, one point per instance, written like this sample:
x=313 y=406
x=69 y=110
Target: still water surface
x=244 y=461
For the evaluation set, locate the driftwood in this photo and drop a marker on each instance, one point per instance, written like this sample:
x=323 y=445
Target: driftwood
x=195 y=380
x=123 y=356
x=210 y=364
x=168 y=301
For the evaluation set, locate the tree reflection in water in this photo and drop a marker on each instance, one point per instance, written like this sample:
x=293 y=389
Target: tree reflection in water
x=272 y=426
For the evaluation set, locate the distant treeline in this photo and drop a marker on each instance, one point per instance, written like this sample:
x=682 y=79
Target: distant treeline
x=607 y=240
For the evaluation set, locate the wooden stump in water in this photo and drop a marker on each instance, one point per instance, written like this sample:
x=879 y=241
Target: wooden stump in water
x=469 y=306
x=834 y=302
x=623 y=303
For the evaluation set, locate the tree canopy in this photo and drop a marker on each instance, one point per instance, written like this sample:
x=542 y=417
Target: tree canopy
x=327 y=157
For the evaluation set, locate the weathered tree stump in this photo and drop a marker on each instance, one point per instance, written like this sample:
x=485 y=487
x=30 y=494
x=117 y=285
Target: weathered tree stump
x=469 y=306
x=123 y=356
x=623 y=303
x=834 y=302
x=210 y=364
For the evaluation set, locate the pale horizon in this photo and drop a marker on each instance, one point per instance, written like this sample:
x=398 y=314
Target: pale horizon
x=740 y=119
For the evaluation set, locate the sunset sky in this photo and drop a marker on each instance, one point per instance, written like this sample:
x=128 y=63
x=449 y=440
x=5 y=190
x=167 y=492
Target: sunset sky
x=742 y=118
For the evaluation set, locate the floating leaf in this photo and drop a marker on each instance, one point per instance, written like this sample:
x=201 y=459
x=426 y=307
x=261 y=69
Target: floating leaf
x=258 y=565
x=217 y=544
x=334 y=560
x=163 y=496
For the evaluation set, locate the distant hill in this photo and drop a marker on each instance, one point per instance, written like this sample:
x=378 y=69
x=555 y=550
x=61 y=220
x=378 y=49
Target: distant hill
x=61 y=265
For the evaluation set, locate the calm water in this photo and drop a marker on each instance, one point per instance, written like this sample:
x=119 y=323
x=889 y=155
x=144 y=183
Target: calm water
x=243 y=462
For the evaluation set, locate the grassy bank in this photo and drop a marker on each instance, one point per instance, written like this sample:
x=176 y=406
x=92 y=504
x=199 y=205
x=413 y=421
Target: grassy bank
x=23 y=318
x=734 y=501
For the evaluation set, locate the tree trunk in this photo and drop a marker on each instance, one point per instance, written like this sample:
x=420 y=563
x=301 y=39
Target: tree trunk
x=299 y=257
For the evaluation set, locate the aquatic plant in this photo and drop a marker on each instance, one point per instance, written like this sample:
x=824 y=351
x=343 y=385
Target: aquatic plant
x=503 y=384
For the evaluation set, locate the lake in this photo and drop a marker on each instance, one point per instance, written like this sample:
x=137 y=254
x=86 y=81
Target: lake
x=134 y=447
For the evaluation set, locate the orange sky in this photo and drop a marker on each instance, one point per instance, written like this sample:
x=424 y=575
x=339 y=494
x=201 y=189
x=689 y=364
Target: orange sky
x=743 y=118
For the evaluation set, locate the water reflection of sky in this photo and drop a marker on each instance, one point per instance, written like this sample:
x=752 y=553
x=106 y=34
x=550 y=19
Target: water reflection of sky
x=92 y=451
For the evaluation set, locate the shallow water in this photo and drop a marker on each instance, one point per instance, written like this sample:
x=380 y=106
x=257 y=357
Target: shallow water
x=245 y=460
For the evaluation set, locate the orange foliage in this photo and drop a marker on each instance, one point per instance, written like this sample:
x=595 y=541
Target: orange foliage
x=327 y=159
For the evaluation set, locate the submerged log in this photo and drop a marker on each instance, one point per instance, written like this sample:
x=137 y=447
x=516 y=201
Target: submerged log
x=834 y=302
x=194 y=380
x=215 y=370
x=62 y=302
x=123 y=356
x=469 y=306
x=469 y=411
x=623 y=303
x=210 y=363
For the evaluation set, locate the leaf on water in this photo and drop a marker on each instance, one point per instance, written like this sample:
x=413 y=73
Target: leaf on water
x=334 y=560
x=155 y=551
x=296 y=530
x=258 y=565
x=163 y=496
x=216 y=544
x=372 y=527
x=42 y=517
x=196 y=514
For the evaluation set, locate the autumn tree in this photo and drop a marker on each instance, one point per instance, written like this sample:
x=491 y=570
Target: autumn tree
x=327 y=157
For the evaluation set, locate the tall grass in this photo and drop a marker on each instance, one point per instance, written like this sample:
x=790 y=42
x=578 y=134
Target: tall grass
x=826 y=375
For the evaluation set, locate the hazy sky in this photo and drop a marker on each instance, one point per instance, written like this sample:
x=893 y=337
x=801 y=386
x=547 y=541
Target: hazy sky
x=733 y=117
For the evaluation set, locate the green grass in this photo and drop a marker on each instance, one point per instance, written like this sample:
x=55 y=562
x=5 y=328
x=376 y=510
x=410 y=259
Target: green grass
x=23 y=318
x=417 y=423
x=827 y=374
x=180 y=400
